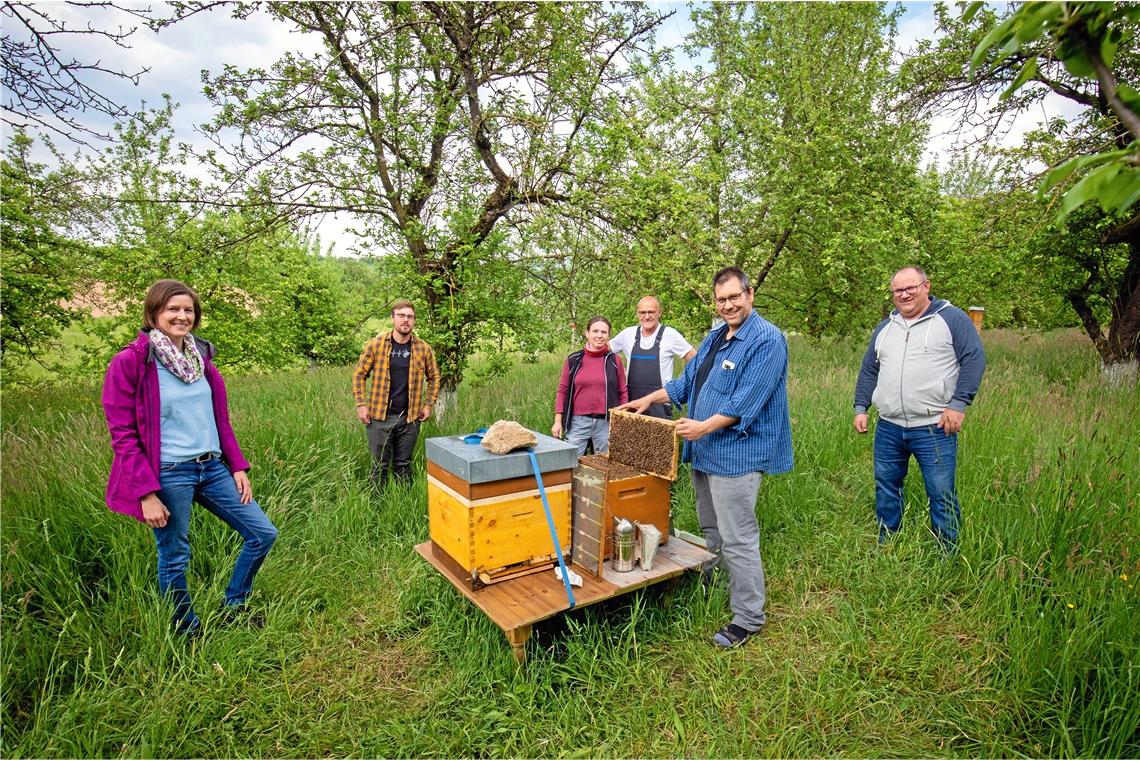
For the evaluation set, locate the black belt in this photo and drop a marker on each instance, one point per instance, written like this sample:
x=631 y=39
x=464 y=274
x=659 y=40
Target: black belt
x=203 y=458
x=594 y=416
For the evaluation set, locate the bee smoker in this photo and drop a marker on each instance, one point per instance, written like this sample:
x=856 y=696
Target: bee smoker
x=624 y=545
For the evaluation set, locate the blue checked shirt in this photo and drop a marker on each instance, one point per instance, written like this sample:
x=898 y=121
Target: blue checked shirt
x=748 y=380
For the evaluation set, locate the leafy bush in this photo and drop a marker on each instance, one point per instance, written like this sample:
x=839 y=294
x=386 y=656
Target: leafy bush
x=492 y=365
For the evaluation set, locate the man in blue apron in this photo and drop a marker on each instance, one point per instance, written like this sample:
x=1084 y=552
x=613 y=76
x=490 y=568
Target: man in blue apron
x=650 y=348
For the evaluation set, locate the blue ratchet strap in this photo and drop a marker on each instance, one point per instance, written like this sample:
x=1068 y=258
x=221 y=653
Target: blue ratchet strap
x=553 y=530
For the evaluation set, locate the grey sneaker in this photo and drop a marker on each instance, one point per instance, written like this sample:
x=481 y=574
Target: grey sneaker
x=733 y=636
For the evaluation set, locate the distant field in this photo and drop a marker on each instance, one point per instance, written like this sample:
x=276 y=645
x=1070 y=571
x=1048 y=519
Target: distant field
x=1026 y=644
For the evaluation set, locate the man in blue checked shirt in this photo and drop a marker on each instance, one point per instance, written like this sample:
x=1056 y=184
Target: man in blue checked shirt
x=737 y=429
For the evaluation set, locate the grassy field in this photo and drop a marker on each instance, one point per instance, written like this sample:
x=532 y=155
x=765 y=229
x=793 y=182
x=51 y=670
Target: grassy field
x=1026 y=644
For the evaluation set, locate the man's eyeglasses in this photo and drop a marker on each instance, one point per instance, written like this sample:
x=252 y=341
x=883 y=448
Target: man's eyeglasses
x=910 y=290
x=734 y=299
x=646 y=313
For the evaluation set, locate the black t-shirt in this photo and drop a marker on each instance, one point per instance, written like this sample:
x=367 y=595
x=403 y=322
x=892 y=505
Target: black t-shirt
x=399 y=361
x=704 y=370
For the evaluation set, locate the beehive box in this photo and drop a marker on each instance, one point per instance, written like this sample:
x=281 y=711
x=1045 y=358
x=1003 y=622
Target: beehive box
x=485 y=512
x=625 y=492
x=631 y=481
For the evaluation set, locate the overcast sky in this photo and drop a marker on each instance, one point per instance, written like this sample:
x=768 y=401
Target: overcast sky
x=177 y=56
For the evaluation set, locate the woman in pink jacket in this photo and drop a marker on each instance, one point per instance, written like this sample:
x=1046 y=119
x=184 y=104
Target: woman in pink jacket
x=165 y=404
x=592 y=383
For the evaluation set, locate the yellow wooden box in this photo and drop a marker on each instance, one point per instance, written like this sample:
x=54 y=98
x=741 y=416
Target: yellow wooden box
x=499 y=527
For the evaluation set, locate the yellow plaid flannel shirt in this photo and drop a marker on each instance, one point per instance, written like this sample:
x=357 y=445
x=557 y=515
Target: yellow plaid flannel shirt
x=374 y=361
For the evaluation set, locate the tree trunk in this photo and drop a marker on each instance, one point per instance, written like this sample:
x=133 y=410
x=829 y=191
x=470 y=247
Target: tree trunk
x=1119 y=345
x=1122 y=345
x=448 y=400
x=1124 y=329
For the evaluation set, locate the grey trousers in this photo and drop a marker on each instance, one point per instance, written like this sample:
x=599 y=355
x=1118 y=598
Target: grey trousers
x=584 y=429
x=726 y=510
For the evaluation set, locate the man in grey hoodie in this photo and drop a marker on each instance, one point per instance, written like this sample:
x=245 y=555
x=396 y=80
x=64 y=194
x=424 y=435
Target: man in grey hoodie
x=921 y=371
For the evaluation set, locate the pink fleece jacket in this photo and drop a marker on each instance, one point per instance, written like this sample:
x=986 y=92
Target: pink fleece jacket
x=132 y=408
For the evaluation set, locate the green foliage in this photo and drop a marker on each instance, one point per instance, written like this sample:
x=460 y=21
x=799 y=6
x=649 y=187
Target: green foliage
x=39 y=264
x=494 y=365
x=772 y=157
x=440 y=122
x=517 y=168
x=1022 y=645
x=269 y=301
x=1086 y=37
x=988 y=246
x=988 y=68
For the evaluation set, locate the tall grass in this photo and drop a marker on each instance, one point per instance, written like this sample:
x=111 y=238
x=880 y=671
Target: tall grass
x=1024 y=644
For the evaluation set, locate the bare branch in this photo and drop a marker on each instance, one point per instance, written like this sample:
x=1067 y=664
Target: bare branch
x=47 y=88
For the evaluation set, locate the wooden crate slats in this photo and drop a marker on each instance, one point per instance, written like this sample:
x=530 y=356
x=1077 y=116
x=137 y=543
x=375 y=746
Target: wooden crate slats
x=589 y=495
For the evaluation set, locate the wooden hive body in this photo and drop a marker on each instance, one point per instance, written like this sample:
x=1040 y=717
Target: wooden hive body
x=625 y=492
x=496 y=528
x=631 y=481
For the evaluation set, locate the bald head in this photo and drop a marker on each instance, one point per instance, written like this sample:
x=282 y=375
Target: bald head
x=648 y=314
x=910 y=290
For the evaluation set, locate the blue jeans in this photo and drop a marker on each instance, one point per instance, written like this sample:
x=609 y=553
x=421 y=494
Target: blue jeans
x=211 y=484
x=937 y=457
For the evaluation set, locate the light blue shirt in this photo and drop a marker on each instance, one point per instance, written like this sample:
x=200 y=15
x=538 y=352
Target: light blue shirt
x=187 y=410
x=748 y=380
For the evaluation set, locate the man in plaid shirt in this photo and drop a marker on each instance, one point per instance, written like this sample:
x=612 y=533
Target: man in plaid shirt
x=392 y=410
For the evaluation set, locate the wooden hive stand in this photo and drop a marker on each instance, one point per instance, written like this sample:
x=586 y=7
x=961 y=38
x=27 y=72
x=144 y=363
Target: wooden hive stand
x=516 y=604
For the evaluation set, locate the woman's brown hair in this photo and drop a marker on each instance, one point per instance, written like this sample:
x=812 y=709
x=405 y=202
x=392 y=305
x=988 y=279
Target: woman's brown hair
x=598 y=319
x=162 y=291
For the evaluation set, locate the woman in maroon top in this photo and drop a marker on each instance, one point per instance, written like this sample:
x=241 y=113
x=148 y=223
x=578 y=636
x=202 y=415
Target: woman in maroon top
x=592 y=383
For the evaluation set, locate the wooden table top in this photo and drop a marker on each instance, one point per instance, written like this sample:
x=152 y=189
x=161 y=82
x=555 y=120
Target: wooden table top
x=522 y=601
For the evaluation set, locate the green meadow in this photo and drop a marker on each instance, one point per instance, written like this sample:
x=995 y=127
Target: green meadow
x=1025 y=644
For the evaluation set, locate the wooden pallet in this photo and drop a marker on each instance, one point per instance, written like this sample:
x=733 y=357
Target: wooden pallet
x=516 y=604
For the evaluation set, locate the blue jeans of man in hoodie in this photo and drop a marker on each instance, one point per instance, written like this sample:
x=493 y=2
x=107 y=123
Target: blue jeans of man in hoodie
x=937 y=457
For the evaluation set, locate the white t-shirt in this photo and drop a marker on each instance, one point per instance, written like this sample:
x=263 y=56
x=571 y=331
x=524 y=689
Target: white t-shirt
x=672 y=344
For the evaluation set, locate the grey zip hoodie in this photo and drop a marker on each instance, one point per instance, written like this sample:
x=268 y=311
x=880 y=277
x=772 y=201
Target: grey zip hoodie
x=912 y=373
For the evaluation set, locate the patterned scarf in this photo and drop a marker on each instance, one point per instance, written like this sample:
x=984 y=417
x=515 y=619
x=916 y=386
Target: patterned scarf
x=185 y=365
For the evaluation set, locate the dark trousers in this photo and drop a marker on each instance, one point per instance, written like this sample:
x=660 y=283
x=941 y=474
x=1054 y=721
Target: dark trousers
x=392 y=442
